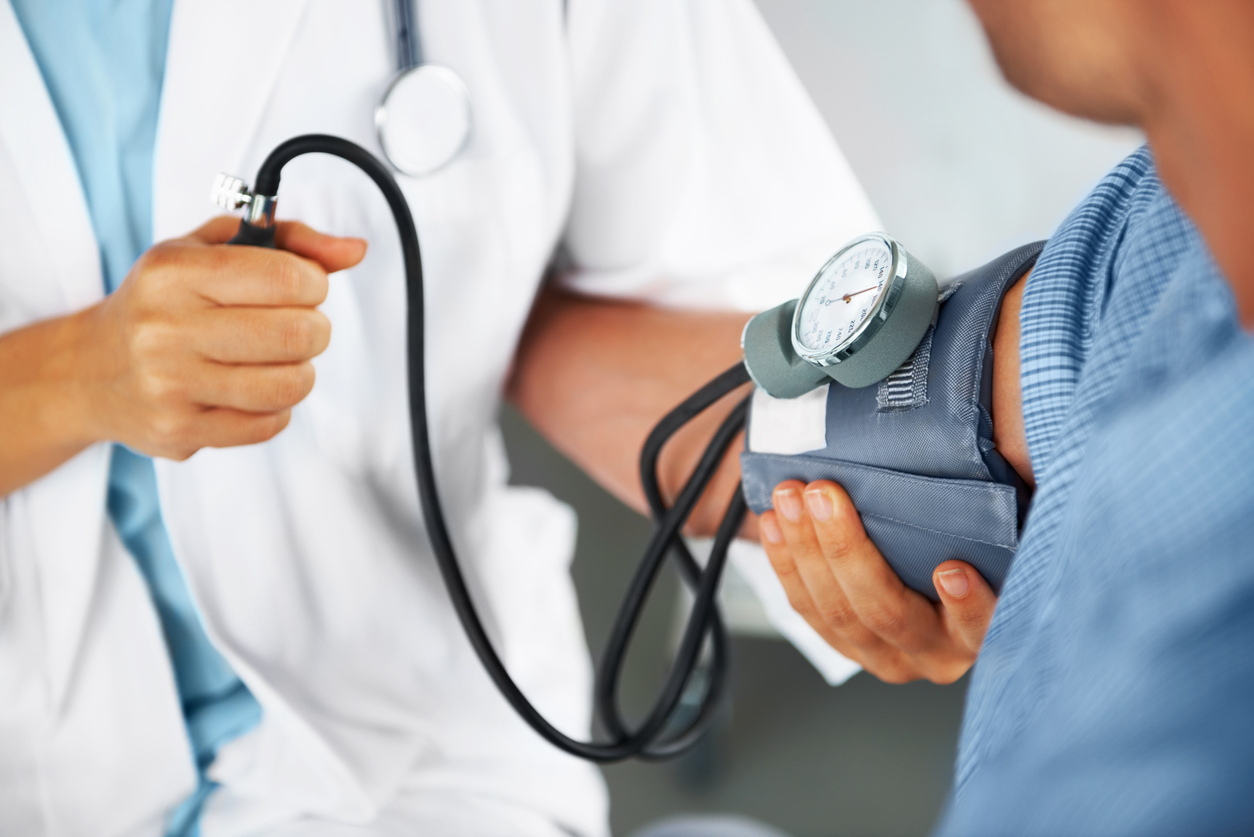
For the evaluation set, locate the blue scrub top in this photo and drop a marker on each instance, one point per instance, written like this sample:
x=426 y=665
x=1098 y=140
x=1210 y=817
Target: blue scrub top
x=103 y=62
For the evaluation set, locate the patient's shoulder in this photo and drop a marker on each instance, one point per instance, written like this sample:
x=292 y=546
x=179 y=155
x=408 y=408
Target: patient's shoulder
x=1081 y=261
x=1093 y=290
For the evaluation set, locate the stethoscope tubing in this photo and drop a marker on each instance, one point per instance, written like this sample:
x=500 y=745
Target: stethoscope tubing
x=651 y=739
x=408 y=42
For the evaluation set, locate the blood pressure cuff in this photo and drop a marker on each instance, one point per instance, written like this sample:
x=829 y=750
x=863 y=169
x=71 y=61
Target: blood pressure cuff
x=915 y=452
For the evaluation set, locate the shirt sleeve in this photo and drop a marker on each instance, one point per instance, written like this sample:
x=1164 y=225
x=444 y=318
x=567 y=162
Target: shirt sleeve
x=705 y=176
x=1066 y=297
x=1128 y=709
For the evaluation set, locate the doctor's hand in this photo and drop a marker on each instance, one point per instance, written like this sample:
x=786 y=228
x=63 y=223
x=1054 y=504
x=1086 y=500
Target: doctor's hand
x=205 y=345
x=838 y=581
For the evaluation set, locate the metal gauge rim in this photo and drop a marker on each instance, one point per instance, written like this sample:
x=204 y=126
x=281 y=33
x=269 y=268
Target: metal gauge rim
x=453 y=82
x=880 y=313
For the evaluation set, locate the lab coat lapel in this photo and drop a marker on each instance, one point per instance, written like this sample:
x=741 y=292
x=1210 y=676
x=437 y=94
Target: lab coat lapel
x=31 y=136
x=223 y=61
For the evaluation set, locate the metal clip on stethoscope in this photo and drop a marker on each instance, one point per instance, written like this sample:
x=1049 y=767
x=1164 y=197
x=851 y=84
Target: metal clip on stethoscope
x=423 y=122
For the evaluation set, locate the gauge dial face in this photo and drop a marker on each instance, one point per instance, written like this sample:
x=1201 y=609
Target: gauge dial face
x=844 y=295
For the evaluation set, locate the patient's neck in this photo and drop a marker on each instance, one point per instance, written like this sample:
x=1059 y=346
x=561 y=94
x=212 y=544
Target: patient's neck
x=1200 y=123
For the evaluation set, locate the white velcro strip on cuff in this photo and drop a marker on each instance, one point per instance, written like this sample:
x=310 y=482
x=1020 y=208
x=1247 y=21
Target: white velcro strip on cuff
x=788 y=425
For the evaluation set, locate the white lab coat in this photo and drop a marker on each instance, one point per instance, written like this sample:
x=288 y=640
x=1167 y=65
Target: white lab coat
x=671 y=148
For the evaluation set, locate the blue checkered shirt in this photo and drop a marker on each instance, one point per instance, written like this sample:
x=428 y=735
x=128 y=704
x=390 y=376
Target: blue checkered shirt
x=1115 y=690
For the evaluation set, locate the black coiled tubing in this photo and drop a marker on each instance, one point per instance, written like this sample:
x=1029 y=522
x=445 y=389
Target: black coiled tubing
x=664 y=732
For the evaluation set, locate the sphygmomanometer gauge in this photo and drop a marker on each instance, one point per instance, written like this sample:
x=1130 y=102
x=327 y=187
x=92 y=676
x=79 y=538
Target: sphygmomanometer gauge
x=865 y=311
x=861 y=317
x=846 y=301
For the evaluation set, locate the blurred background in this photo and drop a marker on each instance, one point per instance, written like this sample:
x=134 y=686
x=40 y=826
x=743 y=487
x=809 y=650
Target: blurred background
x=960 y=168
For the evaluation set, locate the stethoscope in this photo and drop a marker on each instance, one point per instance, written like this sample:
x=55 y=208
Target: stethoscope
x=687 y=704
x=424 y=118
x=424 y=122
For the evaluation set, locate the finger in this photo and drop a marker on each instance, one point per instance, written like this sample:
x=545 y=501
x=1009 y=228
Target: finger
x=968 y=602
x=260 y=335
x=332 y=252
x=780 y=556
x=211 y=427
x=814 y=569
x=257 y=276
x=253 y=389
x=901 y=617
x=225 y=428
x=217 y=230
x=879 y=659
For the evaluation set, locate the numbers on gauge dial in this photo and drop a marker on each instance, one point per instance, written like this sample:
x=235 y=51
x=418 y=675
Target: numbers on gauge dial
x=843 y=296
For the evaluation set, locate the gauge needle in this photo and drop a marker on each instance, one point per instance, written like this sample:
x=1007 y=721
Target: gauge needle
x=849 y=297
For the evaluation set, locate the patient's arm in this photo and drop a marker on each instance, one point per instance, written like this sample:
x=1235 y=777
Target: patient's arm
x=1008 y=430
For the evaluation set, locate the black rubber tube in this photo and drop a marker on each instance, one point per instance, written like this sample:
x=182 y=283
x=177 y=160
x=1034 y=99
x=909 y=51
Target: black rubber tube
x=666 y=537
x=689 y=570
x=652 y=739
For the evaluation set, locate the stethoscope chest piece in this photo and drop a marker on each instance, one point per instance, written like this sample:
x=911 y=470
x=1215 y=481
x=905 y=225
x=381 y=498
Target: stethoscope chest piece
x=424 y=119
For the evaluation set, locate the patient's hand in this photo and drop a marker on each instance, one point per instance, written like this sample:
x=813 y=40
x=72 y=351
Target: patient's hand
x=838 y=581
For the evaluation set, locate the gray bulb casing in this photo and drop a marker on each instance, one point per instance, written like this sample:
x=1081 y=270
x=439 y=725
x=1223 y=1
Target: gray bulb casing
x=770 y=358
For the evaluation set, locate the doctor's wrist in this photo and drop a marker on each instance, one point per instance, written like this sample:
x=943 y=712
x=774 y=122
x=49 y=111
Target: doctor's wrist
x=94 y=403
x=45 y=398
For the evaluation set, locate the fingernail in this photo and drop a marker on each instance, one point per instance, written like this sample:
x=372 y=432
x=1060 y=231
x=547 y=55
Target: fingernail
x=820 y=506
x=955 y=583
x=788 y=504
x=770 y=530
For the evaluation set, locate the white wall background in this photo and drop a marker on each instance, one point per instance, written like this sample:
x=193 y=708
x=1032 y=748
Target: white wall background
x=960 y=166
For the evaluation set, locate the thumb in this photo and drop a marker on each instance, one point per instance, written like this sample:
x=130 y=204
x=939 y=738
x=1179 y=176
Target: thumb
x=332 y=252
x=218 y=230
x=968 y=602
x=329 y=251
